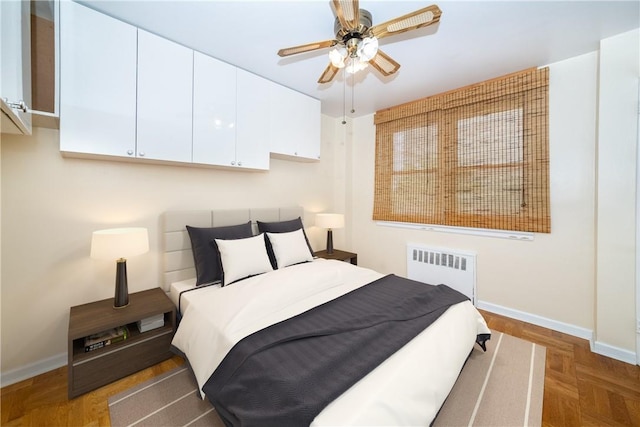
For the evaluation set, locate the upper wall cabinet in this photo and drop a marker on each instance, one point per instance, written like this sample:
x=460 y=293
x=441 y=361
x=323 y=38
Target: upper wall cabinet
x=128 y=93
x=214 y=111
x=295 y=125
x=252 y=114
x=230 y=115
x=165 y=84
x=15 y=96
x=98 y=83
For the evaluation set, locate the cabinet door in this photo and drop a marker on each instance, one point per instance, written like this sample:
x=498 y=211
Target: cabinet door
x=165 y=79
x=97 y=82
x=308 y=127
x=252 y=132
x=295 y=124
x=15 y=19
x=214 y=111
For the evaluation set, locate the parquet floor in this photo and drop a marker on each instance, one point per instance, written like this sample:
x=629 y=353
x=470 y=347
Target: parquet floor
x=581 y=388
x=42 y=401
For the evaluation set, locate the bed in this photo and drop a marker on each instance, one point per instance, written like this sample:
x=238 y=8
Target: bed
x=407 y=387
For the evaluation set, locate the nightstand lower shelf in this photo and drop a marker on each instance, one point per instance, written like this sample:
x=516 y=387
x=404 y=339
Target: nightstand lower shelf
x=93 y=369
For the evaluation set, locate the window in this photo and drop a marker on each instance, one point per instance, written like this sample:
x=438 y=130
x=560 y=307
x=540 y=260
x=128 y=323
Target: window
x=474 y=157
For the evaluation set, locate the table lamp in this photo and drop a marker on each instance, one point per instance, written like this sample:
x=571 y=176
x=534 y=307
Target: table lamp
x=330 y=221
x=116 y=244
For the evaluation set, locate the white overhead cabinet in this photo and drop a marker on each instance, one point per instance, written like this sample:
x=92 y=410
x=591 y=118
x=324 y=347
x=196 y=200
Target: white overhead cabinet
x=214 y=111
x=15 y=39
x=252 y=115
x=295 y=125
x=128 y=93
x=98 y=83
x=230 y=115
x=165 y=84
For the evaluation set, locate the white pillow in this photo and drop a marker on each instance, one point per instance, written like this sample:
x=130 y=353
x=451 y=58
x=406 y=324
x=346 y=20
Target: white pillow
x=243 y=257
x=289 y=248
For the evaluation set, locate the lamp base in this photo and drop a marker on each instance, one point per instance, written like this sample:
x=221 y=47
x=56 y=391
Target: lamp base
x=121 y=298
x=330 y=241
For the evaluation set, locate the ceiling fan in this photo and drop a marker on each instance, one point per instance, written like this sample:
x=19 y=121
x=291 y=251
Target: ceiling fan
x=356 y=41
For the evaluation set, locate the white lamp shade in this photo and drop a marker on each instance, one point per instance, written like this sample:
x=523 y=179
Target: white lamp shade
x=355 y=64
x=367 y=48
x=329 y=220
x=116 y=243
x=337 y=56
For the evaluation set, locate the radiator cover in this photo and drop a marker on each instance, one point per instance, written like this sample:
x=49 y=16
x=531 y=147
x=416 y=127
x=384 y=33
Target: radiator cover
x=452 y=267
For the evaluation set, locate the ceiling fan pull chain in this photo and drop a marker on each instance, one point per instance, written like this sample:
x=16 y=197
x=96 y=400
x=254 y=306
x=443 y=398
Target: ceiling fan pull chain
x=353 y=91
x=344 y=97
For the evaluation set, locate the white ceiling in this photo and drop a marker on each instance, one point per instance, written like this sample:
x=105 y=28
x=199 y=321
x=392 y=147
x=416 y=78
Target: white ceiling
x=474 y=41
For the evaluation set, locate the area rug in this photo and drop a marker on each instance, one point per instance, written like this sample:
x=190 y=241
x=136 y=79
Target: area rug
x=502 y=387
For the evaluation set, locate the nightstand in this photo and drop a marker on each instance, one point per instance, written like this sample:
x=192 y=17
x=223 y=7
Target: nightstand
x=93 y=369
x=339 y=255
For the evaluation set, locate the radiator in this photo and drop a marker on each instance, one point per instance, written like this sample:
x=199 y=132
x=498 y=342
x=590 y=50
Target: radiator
x=454 y=268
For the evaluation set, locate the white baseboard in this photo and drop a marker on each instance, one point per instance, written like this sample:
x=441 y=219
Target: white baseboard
x=31 y=370
x=614 y=352
x=565 y=328
x=577 y=331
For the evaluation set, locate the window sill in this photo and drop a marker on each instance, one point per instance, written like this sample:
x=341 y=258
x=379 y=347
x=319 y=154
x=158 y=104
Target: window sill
x=484 y=232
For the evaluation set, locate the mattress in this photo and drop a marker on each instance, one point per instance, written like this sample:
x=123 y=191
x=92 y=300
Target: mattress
x=181 y=296
x=407 y=389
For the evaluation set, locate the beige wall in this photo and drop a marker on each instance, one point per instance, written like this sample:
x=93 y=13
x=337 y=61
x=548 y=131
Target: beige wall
x=51 y=205
x=616 y=192
x=552 y=280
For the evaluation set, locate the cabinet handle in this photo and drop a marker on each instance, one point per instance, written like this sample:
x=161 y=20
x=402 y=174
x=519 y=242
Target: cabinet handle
x=239 y=163
x=141 y=154
x=130 y=152
x=20 y=105
x=233 y=162
x=295 y=153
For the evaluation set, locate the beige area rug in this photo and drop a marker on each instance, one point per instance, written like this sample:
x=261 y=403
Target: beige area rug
x=502 y=387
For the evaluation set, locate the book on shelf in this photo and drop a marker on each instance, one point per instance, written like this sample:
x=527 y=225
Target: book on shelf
x=105 y=338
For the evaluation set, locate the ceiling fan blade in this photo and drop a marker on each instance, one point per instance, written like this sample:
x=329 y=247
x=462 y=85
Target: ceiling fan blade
x=411 y=21
x=328 y=74
x=384 y=64
x=306 y=48
x=348 y=13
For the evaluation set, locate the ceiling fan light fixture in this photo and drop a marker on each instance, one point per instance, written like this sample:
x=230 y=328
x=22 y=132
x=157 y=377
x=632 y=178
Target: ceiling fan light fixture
x=356 y=39
x=337 y=55
x=367 y=48
x=355 y=64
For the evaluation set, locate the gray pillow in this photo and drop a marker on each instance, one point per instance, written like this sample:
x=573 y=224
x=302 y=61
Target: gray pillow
x=206 y=256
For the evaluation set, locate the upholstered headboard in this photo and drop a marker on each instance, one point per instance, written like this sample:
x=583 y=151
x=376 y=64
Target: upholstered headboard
x=178 y=258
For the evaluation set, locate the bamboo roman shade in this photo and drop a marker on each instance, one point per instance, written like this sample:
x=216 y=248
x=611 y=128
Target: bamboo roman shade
x=473 y=157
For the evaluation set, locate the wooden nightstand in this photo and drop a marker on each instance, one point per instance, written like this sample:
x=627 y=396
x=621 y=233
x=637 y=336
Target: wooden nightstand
x=93 y=369
x=339 y=255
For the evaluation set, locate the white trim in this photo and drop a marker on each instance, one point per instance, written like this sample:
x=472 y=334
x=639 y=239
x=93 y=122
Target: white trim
x=32 y=369
x=637 y=325
x=614 y=352
x=485 y=232
x=565 y=328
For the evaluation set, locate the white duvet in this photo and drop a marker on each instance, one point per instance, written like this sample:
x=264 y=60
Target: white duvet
x=407 y=389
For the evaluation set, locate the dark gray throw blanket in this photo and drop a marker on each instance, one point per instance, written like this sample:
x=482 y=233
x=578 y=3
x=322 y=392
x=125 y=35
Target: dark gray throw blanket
x=285 y=374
